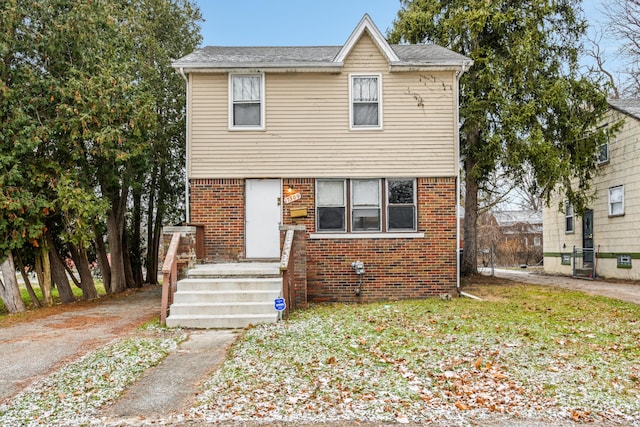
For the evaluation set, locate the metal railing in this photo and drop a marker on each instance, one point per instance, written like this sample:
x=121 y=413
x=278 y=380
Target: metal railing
x=169 y=277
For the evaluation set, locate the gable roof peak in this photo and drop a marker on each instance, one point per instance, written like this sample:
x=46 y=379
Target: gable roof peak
x=366 y=24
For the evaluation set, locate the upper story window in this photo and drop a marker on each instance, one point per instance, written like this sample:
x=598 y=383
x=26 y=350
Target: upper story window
x=603 y=153
x=616 y=200
x=366 y=93
x=359 y=205
x=246 y=101
x=569 y=218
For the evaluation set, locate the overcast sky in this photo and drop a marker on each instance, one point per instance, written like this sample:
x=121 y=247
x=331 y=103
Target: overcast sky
x=318 y=22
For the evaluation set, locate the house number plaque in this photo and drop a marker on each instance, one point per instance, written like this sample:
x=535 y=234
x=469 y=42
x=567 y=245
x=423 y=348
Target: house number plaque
x=292 y=198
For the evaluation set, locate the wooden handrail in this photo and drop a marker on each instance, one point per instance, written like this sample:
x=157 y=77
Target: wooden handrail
x=169 y=277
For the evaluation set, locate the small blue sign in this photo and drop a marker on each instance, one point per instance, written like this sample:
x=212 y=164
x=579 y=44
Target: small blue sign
x=279 y=304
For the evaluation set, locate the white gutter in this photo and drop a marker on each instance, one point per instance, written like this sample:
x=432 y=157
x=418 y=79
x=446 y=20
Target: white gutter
x=465 y=66
x=187 y=140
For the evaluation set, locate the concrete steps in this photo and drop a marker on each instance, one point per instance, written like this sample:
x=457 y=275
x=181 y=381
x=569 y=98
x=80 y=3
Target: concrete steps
x=226 y=296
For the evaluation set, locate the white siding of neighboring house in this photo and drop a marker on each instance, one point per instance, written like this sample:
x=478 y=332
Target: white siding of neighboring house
x=612 y=235
x=307 y=125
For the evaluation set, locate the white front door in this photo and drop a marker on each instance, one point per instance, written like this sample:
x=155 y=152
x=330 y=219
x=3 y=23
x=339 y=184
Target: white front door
x=262 y=216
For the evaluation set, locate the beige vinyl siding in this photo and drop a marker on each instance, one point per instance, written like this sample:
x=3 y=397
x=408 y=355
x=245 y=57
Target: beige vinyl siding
x=615 y=234
x=307 y=125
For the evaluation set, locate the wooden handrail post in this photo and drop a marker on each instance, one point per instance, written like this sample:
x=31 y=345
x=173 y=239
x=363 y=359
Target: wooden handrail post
x=169 y=277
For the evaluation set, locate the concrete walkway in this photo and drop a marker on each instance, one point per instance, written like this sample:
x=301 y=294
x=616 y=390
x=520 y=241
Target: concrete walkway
x=629 y=292
x=170 y=387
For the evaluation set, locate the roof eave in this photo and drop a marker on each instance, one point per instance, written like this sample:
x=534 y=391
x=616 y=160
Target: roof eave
x=461 y=66
x=221 y=67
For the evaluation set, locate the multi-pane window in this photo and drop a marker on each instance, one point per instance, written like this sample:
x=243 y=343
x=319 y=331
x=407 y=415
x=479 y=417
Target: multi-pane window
x=365 y=101
x=569 y=218
x=330 y=202
x=372 y=205
x=247 y=95
x=616 y=200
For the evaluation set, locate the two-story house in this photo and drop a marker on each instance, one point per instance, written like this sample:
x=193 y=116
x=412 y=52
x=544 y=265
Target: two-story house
x=606 y=237
x=357 y=143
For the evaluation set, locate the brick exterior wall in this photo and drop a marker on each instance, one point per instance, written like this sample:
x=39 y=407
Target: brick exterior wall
x=218 y=205
x=394 y=268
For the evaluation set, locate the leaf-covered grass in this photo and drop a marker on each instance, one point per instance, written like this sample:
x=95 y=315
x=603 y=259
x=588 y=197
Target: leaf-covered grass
x=72 y=395
x=524 y=352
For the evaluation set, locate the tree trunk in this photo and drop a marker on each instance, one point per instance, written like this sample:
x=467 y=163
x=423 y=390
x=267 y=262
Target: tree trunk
x=135 y=242
x=43 y=271
x=128 y=268
x=27 y=282
x=103 y=262
x=79 y=255
x=470 y=255
x=115 y=236
x=59 y=273
x=150 y=264
x=9 y=290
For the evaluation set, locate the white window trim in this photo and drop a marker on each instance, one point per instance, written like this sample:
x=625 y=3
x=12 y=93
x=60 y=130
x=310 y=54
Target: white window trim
x=262 y=102
x=365 y=128
x=353 y=207
x=609 y=200
x=377 y=235
x=415 y=203
x=568 y=205
x=344 y=198
x=605 y=161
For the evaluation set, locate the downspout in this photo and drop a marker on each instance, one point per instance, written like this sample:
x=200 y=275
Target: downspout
x=187 y=140
x=465 y=66
x=457 y=166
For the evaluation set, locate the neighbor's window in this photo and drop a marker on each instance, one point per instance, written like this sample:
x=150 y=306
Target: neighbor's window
x=247 y=106
x=365 y=205
x=365 y=101
x=568 y=218
x=603 y=153
x=616 y=200
x=330 y=198
x=401 y=204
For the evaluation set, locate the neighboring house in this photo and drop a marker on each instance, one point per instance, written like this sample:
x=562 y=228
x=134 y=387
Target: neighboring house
x=607 y=236
x=357 y=143
x=514 y=236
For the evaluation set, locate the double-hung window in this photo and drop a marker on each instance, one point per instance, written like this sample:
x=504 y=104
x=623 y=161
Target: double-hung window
x=366 y=205
x=246 y=94
x=616 y=200
x=568 y=218
x=365 y=93
x=401 y=204
x=330 y=202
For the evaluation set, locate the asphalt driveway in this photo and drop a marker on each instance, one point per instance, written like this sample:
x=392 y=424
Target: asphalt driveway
x=624 y=291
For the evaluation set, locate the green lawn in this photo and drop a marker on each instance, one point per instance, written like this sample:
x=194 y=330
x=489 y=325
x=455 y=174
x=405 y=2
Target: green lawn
x=525 y=352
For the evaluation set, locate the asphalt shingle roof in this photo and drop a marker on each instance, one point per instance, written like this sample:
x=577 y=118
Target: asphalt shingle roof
x=627 y=106
x=227 y=56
